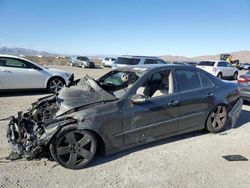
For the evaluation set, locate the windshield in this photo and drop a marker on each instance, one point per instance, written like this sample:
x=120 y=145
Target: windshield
x=207 y=63
x=118 y=83
x=127 y=61
x=83 y=58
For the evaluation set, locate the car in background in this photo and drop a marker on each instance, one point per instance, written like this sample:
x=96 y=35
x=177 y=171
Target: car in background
x=82 y=61
x=193 y=64
x=220 y=69
x=244 y=85
x=124 y=61
x=18 y=73
x=108 y=61
x=126 y=107
x=245 y=66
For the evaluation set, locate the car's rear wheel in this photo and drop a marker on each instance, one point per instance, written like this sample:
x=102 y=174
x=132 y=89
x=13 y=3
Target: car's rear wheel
x=74 y=149
x=55 y=84
x=83 y=66
x=217 y=118
x=219 y=75
x=235 y=76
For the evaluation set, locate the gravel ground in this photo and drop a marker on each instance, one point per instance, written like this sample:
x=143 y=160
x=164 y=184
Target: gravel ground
x=191 y=160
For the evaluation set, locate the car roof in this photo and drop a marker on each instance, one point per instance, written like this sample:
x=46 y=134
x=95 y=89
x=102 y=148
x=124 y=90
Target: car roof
x=6 y=55
x=137 y=56
x=13 y=56
x=149 y=67
x=214 y=61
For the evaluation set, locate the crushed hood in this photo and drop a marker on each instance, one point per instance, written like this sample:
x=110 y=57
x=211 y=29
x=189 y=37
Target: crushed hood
x=86 y=92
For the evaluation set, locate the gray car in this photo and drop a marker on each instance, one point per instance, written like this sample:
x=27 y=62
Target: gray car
x=244 y=84
x=82 y=61
x=124 y=108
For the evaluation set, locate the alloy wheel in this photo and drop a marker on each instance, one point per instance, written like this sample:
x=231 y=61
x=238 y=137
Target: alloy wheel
x=56 y=85
x=75 y=149
x=217 y=119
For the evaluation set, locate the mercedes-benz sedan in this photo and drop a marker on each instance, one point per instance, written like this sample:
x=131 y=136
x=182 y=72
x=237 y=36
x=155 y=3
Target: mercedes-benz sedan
x=124 y=108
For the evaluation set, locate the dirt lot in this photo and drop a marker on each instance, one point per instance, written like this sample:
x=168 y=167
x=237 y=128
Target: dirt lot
x=191 y=160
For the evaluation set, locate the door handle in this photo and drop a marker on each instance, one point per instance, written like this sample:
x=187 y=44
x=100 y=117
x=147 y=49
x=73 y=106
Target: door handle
x=210 y=95
x=173 y=103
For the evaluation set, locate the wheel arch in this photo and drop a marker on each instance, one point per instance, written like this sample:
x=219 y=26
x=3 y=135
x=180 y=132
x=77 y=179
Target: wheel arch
x=212 y=109
x=101 y=149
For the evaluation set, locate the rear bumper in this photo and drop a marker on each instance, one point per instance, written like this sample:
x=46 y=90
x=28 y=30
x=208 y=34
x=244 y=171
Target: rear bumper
x=234 y=113
x=245 y=93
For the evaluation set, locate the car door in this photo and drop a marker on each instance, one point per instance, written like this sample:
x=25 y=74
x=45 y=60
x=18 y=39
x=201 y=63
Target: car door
x=230 y=69
x=156 y=117
x=223 y=68
x=194 y=99
x=20 y=74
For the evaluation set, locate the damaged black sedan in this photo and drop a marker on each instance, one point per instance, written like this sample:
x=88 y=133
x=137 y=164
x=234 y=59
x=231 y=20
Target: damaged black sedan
x=126 y=107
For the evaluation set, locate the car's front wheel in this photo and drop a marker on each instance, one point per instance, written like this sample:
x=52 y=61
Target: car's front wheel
x=235 y=76
x=74 y=149
x=55 y=84
x=219 y=75
x=217 y=118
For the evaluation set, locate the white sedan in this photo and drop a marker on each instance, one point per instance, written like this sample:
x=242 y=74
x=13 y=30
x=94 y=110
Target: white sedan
x=18 y=73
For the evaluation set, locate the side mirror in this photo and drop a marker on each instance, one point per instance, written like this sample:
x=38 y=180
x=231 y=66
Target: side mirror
x=138 y=99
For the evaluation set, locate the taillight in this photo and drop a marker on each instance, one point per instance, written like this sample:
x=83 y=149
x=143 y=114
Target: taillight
x=243 y=79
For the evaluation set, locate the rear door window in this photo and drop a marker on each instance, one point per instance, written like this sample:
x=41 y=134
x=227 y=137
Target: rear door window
x=187 y=80
x=127 y=61
x=149 y=61
x=222 y=64
x=207 y=63
x=15 y=63
x=205 y=82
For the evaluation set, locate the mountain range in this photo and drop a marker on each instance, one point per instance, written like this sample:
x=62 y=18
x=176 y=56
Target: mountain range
x=23 y=51
x=243 y=56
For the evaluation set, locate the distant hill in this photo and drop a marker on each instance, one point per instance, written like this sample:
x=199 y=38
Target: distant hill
x=23 y=51
x=243 y=56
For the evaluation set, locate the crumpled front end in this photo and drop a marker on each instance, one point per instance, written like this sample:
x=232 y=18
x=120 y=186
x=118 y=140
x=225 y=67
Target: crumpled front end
x=31 y=131
x=26 y=130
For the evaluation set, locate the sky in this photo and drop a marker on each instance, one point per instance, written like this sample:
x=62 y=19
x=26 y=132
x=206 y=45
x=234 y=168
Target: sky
x=135 y=27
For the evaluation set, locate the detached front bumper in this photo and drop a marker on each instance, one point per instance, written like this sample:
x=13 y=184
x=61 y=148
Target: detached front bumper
x=234 y=113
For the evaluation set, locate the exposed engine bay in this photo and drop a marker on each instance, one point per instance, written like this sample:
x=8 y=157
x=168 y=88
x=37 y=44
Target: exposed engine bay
x=25 y=131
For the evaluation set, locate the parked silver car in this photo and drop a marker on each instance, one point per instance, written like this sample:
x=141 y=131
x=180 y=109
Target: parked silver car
x=82 y=61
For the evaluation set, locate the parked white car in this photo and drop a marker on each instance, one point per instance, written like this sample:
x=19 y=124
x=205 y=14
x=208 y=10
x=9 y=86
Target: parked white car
x=108 y=61
x=124 y=61
x=221 y=69
x=19 y=73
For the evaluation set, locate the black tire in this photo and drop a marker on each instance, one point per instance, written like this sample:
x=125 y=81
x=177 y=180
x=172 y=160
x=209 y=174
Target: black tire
x=219 y=75
x=73 y=148
x=217 y=118
x=235 y=76
x=55 y=84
